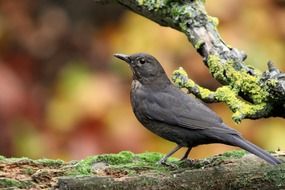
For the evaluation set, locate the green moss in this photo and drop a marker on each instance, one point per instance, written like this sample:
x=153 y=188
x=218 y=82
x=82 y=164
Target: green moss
x=6 y=182
x=198 y=44
x=153 y=4
x=240 y=80
x=213 y=161
x=29 y=171
x=149 y=157
x=125 y=160
x=17 y=160
x=205 y=93
x=243 y=182
x=123 y=157
x=227 y=94
x=234 y=154
x=177 y=12
x=12 y=183
x=251 y=111
x=240 y=108
x=214 y=20
x=250 y=85
x=2 y=157
x=247 y=84
x=219 y=159
x=140 y=2
x=44 y=162
x=50 y=162
x=276 y=176
x=217 y=68
x=180 y=78
x=129 y=163
x=272 y=82
x=84 y=166
x=273 y=87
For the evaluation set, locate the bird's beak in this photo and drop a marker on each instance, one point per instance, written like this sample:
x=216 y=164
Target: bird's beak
x=123 y=57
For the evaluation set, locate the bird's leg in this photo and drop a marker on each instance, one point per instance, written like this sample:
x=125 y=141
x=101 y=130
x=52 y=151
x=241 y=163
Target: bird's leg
x=163 y=160
x=185 y=156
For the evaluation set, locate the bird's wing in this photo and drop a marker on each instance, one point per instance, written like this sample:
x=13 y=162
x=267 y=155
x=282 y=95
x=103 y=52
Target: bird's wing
x=174 y=107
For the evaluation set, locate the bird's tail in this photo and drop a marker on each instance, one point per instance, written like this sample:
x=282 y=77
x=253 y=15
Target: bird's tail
x=252 y=148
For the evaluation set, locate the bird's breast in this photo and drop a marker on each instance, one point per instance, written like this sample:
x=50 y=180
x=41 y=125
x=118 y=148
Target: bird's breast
x=138 y=96
x=136 y=85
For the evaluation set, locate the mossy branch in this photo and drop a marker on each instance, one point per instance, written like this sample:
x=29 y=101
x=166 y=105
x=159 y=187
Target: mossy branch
x=126 y=170
x=227 y=94
x=255 y=94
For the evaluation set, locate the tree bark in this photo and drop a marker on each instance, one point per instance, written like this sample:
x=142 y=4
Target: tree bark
x=247 y=173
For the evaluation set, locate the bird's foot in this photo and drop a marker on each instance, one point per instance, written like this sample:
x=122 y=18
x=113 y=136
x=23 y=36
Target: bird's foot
x=186 y=161
x=167 y=164
x=162 y=162
x=183 y=158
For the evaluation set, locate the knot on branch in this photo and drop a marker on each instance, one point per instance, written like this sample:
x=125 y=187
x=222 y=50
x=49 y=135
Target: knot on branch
x=180 y=77
x=274 y=79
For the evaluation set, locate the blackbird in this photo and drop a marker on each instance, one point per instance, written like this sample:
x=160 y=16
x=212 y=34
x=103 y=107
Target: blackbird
x=170 y=113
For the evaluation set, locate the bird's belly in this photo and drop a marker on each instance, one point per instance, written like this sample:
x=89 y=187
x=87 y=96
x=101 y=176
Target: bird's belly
x=171 y=133
x=182 y=136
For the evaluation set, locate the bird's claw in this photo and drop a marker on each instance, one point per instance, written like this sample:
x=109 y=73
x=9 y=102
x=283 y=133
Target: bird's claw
x=188 y=161
x=164 y=163
x=161 y=162
x=183 y=158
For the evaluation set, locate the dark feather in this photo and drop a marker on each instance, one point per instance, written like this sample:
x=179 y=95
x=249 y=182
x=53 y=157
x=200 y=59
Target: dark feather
x=183 y=111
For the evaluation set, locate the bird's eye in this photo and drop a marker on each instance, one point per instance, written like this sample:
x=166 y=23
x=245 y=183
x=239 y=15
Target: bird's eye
x=142 y=61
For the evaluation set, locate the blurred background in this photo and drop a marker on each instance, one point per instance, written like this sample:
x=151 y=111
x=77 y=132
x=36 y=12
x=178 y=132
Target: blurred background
x=63 y=95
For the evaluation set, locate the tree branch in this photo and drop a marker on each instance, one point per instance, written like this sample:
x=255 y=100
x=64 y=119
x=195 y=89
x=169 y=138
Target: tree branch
x=227 y=94
x=252 y=94
x=232 y=170
x=126 y=170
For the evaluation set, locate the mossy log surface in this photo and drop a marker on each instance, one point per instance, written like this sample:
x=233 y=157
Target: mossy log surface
x=126 y=170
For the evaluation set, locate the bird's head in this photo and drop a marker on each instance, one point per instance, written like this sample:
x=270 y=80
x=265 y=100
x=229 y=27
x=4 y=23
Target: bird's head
x=146 y=68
